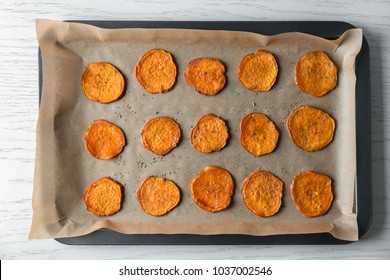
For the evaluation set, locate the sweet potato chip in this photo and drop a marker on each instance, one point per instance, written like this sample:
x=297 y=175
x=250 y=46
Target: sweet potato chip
x=315 y=73
x=212 y=188
x=311 y=129
x=259 y=135
x=102 y=82
x=312 y=193
x=258 y=71
x=206 y=75
x=262 y=193
x=157 y=196
x=103 y=197
x=156 y=71
x=160 y=135
x=104 y=140
x=209 y=134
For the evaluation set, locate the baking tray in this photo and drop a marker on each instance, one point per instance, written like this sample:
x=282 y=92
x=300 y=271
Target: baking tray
x=363 y=182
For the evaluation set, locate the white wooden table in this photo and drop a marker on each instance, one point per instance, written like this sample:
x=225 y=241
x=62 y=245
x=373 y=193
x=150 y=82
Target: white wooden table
x=19 y=111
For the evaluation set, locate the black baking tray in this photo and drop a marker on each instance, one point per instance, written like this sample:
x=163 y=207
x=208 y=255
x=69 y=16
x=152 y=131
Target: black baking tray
x=327 y=29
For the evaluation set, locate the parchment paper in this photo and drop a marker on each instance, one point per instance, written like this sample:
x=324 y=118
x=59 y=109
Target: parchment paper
x=64 y=169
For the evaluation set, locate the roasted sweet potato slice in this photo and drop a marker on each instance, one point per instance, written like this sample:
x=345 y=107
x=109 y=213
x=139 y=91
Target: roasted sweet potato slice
x=206 y=75
x=104 y=140
x=259 y=135
x=212 y=189
x=157 y=196
x=103 y=197
x=156 y=71
x=311 y=129
x=258 y=71
x=315 y=73
x=160 y=135
x=262 y=193
x=209 y=134
x=102 y=82
x=312 y=193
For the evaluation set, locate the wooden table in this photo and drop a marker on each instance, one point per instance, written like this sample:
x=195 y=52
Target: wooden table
x=19 y=112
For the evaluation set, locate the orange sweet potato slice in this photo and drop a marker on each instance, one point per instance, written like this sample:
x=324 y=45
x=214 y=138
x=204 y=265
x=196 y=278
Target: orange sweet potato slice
x=157 y=196
x=156 y=71
x=209 y=134
x=312 y=193
x=262 y=193
x=258 y=71
x=206 y=75
x=103 y=197
x=259 y=135
x=212 y=189
x=315 y=73
x=311 y=129
x=160 y=135
x=104 y=140
x=102 y=82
